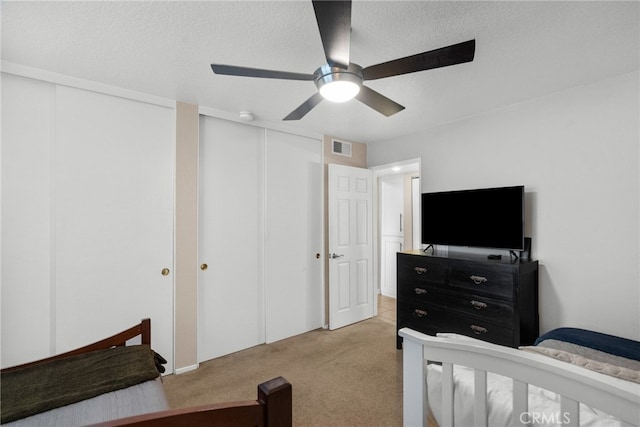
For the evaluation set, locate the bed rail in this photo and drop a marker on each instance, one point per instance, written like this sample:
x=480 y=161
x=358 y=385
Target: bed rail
x=273 y=408
x=143 y=329
x=574 y=384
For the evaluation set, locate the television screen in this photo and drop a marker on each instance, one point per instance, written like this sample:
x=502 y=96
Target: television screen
x=486 y=218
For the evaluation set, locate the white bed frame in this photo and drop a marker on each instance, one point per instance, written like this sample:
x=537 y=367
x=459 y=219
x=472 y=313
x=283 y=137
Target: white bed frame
x=573 y=383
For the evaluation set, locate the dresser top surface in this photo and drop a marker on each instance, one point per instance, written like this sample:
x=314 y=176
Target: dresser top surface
x=505 y=260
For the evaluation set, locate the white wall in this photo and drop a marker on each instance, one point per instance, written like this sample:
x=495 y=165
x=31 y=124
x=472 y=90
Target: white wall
x=577 y=153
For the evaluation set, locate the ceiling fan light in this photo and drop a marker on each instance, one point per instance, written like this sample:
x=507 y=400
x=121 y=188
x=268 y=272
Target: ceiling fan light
x=339 y=91
x=338 y=85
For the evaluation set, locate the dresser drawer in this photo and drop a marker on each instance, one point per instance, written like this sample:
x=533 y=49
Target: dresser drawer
x=473 y=304
x=422 y=316
x=421 y=290
x=487 y=309
x=495 y=280
x=416 y=270
x=477 y=305
x=432 y=319
x=497 y=334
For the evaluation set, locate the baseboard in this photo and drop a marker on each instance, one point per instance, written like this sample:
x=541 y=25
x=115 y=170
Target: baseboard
x=187 y=369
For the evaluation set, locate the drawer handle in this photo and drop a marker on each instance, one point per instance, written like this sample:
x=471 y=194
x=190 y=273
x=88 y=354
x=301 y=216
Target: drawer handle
x=478 y=280
x=420 y=291
x=478 y=305
x=420 y=270
x=478 y=329
x=419 y=313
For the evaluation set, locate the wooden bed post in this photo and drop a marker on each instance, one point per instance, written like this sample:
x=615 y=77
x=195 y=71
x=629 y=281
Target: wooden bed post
x=275 y=396
x=414 y=387
x=145 y=331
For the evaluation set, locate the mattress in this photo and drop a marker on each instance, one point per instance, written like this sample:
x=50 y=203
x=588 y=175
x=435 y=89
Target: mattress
x=139 y=399
x=606 y=354
x=544 y=406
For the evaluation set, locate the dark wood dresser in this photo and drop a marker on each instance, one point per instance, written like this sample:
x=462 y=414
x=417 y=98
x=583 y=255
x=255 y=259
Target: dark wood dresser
x=493 y=300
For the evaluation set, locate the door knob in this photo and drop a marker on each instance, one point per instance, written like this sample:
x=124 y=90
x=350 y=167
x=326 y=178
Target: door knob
x=334 y=255
x=165 y=271
x=203 y=267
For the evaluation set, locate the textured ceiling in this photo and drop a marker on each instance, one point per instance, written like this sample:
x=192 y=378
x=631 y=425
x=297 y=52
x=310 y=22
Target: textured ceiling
x=524 y=50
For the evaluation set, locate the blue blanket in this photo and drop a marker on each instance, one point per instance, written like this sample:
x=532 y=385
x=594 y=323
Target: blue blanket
x=611 y=344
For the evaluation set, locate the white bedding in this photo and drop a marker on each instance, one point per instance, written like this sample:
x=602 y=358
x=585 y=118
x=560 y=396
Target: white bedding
x=135 y=400
x=544 y=406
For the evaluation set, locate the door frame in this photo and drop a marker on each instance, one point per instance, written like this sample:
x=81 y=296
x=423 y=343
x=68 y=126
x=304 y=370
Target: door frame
x=400 y=167
x=391 y=191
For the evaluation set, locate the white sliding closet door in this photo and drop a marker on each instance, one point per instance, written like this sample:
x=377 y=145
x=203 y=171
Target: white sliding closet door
x=87 y=218
x=293 y=241
x=230 y=230
x=27 y=133
x=260 y=236
x=113 y=218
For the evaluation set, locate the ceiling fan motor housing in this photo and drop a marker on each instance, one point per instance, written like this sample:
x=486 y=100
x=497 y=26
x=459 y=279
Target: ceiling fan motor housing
x=327 y=75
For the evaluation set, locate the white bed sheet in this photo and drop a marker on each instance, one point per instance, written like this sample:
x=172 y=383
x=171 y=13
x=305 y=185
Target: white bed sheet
x=139 y=399
x=544 y=406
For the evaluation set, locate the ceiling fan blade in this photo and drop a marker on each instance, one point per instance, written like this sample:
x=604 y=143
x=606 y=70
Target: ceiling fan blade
x=443 y=57
x=378 y=102
x=232 y=70
x=334 y=23
x=306 y=106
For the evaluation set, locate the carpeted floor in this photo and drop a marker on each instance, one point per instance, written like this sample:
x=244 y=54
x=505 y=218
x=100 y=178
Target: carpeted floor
x=348 y=377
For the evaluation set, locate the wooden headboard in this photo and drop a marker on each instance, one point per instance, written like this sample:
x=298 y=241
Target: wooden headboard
x=143 y=329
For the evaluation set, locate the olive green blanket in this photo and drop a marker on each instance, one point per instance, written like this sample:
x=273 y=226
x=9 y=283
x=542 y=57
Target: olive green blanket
x=31 y=390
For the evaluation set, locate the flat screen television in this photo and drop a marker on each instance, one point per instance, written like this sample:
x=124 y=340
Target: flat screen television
x=484 y=218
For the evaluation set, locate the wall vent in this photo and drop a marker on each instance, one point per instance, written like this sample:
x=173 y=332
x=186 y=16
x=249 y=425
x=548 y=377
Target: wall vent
x=341 y=148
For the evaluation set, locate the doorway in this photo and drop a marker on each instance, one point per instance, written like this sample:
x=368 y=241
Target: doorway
x=397 y=218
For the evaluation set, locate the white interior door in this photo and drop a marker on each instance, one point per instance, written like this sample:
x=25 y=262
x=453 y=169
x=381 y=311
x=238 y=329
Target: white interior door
x=230 y=235
x=293 y=240
x=391 y=230
x=113 y=186
x=350 y=245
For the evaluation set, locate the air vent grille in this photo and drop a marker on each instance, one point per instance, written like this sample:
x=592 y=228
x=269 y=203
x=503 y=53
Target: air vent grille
x=341 y=148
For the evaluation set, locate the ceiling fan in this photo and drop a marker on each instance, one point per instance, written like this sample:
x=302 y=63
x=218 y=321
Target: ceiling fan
x=340 y=80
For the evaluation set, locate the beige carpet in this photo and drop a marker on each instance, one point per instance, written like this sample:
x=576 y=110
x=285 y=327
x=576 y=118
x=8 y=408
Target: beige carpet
x=348 y=377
